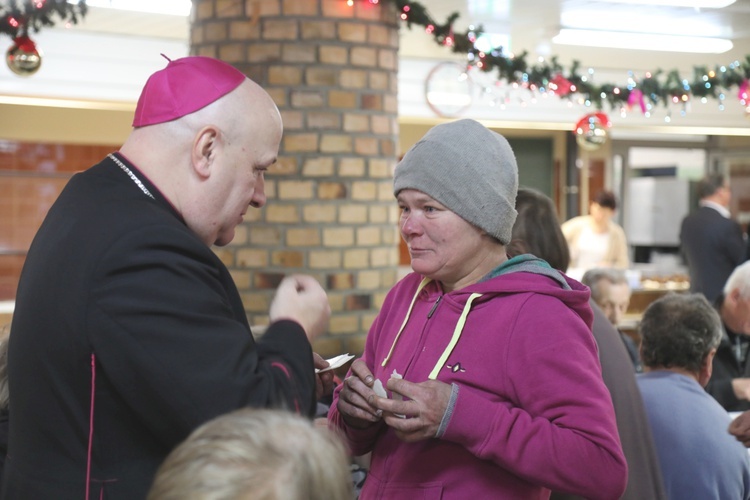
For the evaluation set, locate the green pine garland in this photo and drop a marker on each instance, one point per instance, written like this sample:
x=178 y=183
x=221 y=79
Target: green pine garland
x=658 y=87
x=18 y=18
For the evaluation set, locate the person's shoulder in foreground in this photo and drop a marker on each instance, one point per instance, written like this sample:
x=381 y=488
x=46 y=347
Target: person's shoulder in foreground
x=256 y=453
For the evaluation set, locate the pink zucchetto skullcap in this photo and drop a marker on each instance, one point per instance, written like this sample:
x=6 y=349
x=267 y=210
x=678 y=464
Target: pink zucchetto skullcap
x=183 y=87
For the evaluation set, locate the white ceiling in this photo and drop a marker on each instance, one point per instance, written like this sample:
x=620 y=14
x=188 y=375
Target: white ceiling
x=139 y=24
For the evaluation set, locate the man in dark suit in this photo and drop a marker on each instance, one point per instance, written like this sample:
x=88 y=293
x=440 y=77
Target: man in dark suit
x=128 y=331
x=711 y=242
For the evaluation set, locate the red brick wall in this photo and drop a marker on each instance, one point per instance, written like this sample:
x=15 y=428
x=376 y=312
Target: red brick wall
x=31 y=177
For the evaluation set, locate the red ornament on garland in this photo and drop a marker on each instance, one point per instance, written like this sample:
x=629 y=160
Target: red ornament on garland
x=562 y=86
x=23 y=57
x=592 y=130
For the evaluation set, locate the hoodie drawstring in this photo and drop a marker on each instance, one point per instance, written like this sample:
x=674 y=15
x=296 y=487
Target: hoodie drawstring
x=406 y=319
x=456 y=336
x=457 y=331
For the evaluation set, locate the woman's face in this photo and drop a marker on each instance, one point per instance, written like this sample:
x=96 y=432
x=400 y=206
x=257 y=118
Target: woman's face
x=601 y=214
x=442 y=245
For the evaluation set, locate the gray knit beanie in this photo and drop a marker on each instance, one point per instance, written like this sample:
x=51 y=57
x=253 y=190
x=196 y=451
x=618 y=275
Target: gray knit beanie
x=469 y=169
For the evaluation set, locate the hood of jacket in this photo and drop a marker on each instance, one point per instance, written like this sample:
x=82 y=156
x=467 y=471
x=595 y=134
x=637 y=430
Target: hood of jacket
x=525 y=274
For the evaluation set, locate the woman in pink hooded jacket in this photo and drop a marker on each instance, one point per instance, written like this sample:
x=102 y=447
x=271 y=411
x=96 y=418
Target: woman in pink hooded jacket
x=493 y=387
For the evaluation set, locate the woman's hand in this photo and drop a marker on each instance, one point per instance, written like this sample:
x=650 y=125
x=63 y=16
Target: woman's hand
x=356 y=398
x=424 y=406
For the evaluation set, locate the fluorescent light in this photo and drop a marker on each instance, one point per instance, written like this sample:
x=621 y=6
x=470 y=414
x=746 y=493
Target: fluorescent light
x=629 y=19
x=643 y=41
x=698 y=4
x=170 y=7
x=438 y=98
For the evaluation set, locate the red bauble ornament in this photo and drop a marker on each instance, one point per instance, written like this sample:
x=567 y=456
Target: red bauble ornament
x=592 y=131
x=23 y=57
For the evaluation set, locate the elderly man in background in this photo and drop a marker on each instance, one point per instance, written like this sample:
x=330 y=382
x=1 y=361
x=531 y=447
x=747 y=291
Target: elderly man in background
x=611 y=291
x=730 y=382
x=128 y=331
x=698 y=458
x=710 y=241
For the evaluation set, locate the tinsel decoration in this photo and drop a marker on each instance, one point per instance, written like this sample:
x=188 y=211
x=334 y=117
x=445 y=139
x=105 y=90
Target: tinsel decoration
x=657 y=87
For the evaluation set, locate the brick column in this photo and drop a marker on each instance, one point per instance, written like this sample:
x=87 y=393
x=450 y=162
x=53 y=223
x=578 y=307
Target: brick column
x=332 y=70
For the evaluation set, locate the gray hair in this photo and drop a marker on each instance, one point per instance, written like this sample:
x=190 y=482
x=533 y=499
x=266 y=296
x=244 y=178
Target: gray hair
x=256 y=453
x=739 y=280
x=679 y=331
x=593 y=277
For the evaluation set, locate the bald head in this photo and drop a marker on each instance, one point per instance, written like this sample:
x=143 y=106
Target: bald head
x=210 y=163
x=243 y=111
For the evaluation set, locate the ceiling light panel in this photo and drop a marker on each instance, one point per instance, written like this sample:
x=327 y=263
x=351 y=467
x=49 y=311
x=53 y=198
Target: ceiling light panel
x=642 y=41
x=645 y=19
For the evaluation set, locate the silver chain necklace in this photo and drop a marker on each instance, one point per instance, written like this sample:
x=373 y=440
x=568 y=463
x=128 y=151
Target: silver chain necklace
x=130 y=174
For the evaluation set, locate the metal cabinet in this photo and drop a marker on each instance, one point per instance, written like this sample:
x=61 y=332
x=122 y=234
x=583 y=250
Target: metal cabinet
x=653 y=210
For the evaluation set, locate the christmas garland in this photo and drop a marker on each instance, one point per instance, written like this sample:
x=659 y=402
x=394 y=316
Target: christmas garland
x=17 y=18
x=658 y=87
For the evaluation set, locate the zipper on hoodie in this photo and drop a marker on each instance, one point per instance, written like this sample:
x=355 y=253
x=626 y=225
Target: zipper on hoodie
x=434 y=306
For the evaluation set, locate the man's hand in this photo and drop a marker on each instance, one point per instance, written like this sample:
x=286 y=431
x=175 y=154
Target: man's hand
x=324 y=380
x=300 y=298
x=740 y=428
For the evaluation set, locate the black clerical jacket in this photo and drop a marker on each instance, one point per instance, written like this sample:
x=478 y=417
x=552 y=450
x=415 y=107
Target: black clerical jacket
x=128 y=333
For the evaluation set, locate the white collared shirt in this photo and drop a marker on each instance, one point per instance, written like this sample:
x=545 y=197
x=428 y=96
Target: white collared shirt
x=719 y=208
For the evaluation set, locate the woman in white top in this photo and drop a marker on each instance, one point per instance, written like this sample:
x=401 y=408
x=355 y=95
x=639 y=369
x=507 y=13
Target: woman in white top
x=595 y=240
